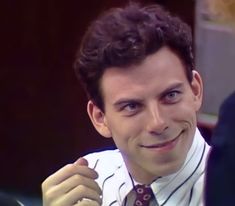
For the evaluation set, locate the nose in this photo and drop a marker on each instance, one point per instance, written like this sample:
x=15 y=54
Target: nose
x=156 y=121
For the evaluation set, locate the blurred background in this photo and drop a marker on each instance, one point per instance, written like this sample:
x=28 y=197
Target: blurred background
x=43 y=120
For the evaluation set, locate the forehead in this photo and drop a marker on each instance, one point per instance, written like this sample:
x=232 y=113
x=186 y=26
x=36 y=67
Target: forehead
x=156 y=72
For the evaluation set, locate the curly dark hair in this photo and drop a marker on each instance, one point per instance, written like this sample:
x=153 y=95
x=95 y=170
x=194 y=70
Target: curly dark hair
x=125 y=36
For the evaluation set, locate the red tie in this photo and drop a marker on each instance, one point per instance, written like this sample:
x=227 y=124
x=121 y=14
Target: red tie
x=144 y=194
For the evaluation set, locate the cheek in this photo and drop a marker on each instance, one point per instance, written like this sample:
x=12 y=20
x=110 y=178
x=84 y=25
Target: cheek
x=131 y=129
x=184 y=112
x=125 y=129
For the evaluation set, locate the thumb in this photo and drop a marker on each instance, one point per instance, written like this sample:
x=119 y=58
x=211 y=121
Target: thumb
x=81 y=161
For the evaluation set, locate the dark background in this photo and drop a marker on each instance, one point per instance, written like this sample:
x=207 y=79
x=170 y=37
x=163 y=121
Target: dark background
x=43 y=120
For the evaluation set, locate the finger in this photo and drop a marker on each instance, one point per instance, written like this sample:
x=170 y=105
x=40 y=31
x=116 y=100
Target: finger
x=66 y=172
x=77 y=194
x=81 y=161
x=71 y=183
x=87 y=203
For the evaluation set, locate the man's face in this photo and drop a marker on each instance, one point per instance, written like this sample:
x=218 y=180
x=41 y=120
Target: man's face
x=150 y=112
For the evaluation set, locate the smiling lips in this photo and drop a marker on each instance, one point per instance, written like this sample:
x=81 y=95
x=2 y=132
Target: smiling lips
x=165 y=145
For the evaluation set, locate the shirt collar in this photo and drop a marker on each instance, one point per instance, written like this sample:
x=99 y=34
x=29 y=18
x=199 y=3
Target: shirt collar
x=165 y=186
x=180 y=182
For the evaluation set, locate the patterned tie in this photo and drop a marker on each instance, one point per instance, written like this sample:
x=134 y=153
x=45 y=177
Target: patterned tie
x=144 y=194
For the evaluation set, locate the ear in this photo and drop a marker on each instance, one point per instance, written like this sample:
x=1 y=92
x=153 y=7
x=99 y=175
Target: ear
x=98 y=119
x=197 y=88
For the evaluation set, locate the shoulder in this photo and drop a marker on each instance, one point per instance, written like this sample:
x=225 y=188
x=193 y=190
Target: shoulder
x=110 y=158
x=107 y=164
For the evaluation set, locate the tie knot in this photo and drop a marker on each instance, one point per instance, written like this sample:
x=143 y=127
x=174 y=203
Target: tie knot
x=143 y=195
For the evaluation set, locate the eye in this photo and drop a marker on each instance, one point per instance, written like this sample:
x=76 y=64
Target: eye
x=131 y=108
x=172 y=97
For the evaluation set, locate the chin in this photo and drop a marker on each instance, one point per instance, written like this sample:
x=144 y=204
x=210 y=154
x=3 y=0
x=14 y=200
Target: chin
x=169 y=169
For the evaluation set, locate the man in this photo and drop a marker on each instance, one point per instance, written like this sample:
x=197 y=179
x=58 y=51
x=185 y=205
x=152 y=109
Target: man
x=137 y=67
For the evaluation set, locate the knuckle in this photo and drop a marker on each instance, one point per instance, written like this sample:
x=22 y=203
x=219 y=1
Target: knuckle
x=49 y=196
x=44 y=185
x=82 y=189
x=78 y=178
x=70 y=168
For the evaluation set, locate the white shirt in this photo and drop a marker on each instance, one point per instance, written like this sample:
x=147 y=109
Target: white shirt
x=183 y=188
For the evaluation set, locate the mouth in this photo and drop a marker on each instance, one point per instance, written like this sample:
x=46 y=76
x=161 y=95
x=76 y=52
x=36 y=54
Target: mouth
x=165 y=145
